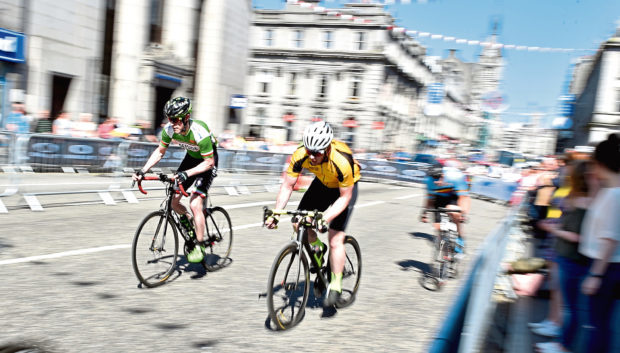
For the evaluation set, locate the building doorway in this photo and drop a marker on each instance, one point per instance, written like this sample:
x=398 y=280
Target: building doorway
x=60 y=87
x=162 y=95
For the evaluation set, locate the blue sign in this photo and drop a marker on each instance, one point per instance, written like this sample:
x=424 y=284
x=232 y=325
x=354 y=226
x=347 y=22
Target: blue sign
x=567 y=104
x=12 y=46
x=435 y=93
x=238 y=101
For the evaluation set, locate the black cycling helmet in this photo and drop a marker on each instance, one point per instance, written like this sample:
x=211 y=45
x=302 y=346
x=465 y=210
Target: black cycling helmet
x=178 y=108
x=435 y=170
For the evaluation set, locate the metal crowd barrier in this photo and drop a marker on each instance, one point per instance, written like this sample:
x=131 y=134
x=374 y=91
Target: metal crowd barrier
x=469 y=315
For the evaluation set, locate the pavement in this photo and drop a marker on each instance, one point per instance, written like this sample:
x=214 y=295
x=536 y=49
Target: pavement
x=68 y=281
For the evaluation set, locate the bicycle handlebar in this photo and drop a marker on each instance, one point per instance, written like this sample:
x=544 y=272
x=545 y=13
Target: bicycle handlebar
x=163 y=178
x=315 y=214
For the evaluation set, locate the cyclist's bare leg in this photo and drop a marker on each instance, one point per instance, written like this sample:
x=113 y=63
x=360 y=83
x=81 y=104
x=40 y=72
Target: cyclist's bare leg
x=456 y=218
x=336 y=250
x=438 y=233
x=196 y=203
x=178 y=207
x=311 y=235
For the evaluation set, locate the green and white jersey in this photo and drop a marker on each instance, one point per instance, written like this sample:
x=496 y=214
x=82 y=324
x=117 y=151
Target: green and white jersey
x=198 y=141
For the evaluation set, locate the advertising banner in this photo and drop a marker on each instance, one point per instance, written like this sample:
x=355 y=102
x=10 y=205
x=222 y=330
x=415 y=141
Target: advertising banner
x=49 y=150
x=493 y=188
x=411 y=171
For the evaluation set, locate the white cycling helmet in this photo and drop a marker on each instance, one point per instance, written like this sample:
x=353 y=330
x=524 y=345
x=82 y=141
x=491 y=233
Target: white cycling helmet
x=318 y=136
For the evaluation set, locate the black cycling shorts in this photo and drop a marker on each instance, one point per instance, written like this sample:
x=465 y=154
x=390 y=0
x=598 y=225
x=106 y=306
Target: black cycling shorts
x=320 y=197
x=443 y=201
x=203 y=180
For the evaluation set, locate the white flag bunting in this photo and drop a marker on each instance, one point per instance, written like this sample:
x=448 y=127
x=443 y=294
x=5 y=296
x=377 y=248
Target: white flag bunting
x=359 y=20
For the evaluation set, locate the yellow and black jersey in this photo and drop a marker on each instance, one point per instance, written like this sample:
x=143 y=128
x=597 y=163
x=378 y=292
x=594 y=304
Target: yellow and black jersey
x=340 y=170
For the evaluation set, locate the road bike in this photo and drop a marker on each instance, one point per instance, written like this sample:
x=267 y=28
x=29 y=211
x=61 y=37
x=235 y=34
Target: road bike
x=288 y=287
x=445 y=255
x=156 y=242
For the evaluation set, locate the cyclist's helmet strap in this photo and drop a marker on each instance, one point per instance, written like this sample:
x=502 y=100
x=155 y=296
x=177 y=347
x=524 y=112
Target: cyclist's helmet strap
x=178 y=107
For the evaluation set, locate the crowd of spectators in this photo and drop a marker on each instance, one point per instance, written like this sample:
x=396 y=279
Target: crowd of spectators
x=63 y=124
x=573 y=206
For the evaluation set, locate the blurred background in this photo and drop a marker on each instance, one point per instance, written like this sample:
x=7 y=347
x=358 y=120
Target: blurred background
x=258 y=72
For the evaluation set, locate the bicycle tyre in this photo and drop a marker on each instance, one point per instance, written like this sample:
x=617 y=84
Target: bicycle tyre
x=352 y=273
x=219 y=228
x=442 y=263
x=154 y=267
x=284 y=289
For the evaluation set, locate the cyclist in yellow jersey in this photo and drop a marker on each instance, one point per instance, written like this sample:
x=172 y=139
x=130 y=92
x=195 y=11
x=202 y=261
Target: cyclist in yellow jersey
x=333 y=191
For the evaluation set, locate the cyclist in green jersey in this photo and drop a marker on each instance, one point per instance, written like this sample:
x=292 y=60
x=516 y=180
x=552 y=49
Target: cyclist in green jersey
x=199 y=165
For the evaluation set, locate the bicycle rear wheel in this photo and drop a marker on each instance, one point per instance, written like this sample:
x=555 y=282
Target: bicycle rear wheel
x=352 y=272
x=218 y=231
x=155 y=248
x=288 y=287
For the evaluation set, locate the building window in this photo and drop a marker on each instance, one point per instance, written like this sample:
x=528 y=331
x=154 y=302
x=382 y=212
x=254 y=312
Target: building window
x=156 y=21
x=264 y=81
x=268 y=37
x=298 y=38
x=356 y=83
x=292 y=83
x=328 y=38
x=322 y=86
x=360 y=40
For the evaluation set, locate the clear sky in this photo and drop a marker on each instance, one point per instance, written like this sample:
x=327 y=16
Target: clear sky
x=532 y=81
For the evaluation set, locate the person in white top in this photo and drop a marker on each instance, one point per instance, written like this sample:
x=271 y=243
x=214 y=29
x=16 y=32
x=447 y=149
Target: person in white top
x=600 y=235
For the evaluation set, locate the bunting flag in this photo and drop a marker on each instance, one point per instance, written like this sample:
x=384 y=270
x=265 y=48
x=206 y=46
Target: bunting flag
x=419 y=34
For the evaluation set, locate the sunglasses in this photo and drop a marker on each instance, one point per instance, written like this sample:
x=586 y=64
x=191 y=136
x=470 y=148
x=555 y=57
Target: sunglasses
x=315 y=153
x=176 y=119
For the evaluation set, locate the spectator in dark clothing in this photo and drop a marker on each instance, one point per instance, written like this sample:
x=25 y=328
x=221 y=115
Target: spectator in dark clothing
x=44 y=123
x=600 y=236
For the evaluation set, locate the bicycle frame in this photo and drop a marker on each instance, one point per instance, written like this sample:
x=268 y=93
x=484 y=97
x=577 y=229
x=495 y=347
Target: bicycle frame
x=301 y=241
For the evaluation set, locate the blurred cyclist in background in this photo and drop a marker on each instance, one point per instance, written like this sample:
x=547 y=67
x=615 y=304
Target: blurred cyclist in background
x=447 y=187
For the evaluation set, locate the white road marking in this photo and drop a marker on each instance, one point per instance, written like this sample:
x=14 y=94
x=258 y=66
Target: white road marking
x=407 y=196
x=93 y=250
x=369 y=204
x=126 y=246
x=64 y=254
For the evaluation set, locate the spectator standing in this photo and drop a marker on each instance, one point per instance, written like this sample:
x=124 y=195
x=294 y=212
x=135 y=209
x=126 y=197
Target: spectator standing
x=63 y=124
x=599 y=243
x=44 y=123
x=105 y=128
x=16 y=120
x=571 y=264
x=84 y=127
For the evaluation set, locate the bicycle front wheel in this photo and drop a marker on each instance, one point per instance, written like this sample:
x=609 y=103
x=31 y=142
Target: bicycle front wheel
x=288 y=287
x=155 y=248
x=443 y=260
x=218 y=229
x=352 y=272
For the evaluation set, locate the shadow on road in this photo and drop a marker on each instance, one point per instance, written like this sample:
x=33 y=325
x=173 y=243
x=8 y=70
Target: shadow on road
x=421 y=267
x=426 y=236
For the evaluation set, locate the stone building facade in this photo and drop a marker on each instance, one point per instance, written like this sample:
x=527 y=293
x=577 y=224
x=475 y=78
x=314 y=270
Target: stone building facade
x=367 y=81
x=126 y=58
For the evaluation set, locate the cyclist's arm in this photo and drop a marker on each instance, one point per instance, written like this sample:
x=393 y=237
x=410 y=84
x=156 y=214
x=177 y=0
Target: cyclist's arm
x=286 y=189
x=155 y=157
x=340 y=204
x=463 y=202
x=205 y=165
